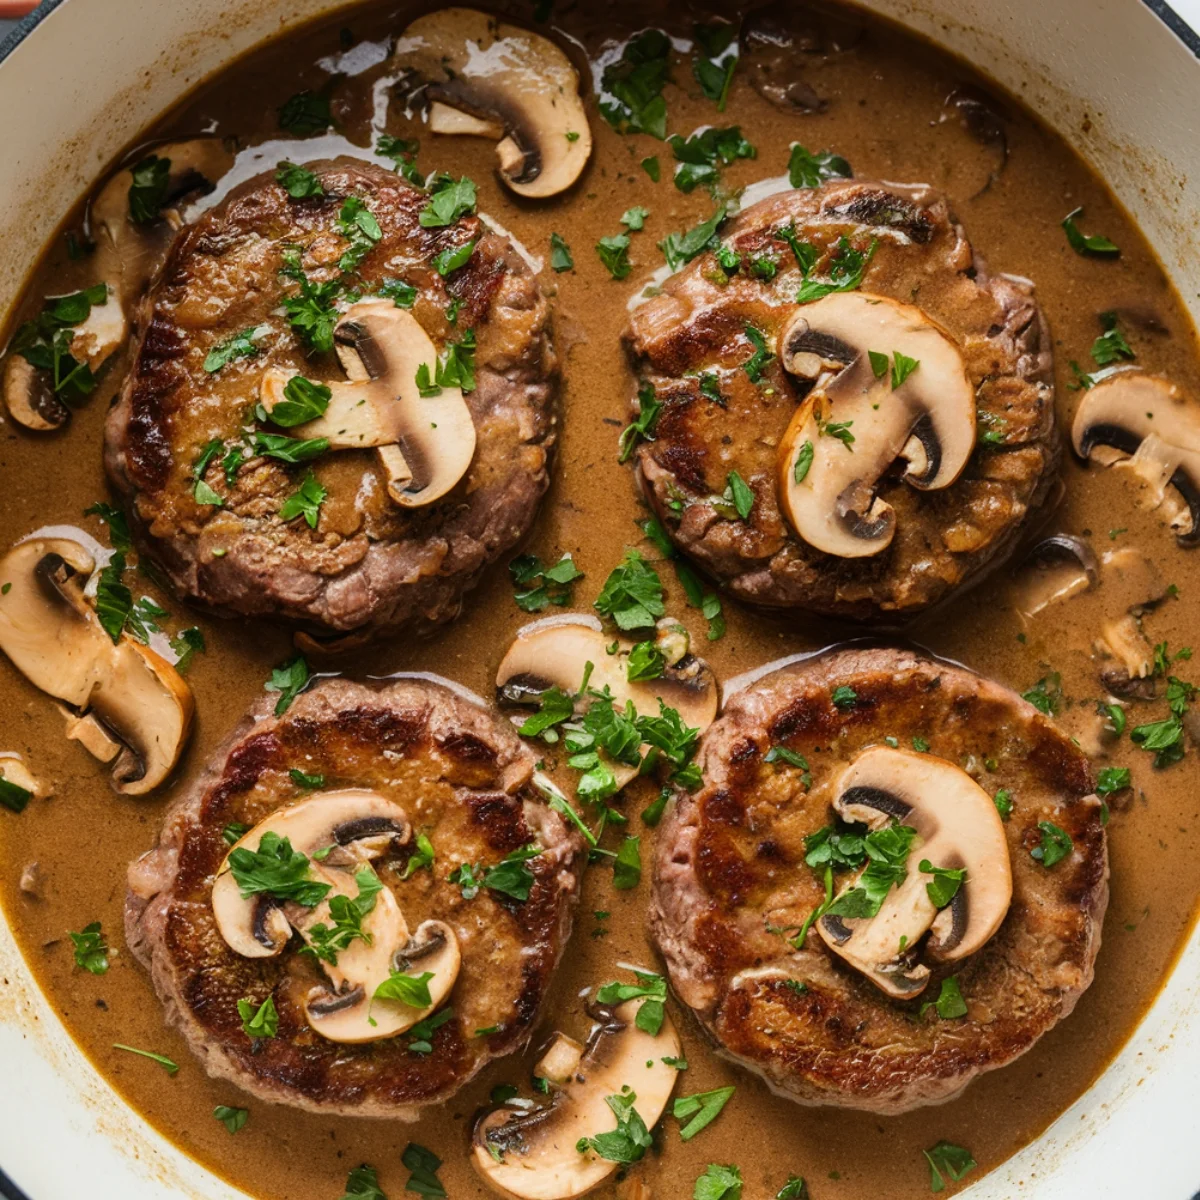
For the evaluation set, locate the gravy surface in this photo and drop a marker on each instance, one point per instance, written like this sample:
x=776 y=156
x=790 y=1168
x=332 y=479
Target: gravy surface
x=885 y=115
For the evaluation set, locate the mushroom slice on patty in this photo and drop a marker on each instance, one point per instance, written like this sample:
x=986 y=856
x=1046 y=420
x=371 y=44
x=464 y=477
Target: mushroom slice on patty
x=1141 y=423
x=425 y=443
x=484 y=78
x=126 y=257
x=957 y=828
x=827 y=484
x=533 y=1155
x=555 y=653
x=136 y=710
x=348 y=828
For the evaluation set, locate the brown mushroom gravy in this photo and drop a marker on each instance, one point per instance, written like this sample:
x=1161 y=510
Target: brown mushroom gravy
x=896 y=109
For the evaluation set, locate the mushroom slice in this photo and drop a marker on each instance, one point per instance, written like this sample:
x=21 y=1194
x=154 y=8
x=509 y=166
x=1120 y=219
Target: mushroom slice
x=1142 y=423
x=827 y=488
x=425 y=443
x=349 y=827
x=957 y=827
x=484 y=78
x=533 y=1155
x=128 y=697
x=1056 y=569
x=126 y=258
x=555 y=653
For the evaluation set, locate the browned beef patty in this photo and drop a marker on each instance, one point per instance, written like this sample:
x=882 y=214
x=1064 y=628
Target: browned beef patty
x=368 y=563
x=464 y=779
x=729 y=869
x=697 y=330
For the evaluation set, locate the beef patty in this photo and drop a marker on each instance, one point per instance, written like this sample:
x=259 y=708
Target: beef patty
x=368 y=562
x=463 y=778
x=695 y=345
x=731 y=885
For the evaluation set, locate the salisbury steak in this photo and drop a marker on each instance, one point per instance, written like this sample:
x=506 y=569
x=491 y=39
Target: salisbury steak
x=732 y=890
x=457 y=782
x=247 y=300
x=711 y=351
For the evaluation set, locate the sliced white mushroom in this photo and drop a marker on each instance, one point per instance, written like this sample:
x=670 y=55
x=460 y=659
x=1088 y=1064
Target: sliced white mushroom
x=958 y=828
x=135 y=709
x=555 y=653
x=481 y=77
x=125 y=258
x=929 y=420
x=533 y=1155
x=424 y=443
x=348 y=828
x=1057 y=568
x=1141 y=423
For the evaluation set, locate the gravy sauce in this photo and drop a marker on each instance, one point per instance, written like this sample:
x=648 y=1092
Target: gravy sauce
x=887 y=116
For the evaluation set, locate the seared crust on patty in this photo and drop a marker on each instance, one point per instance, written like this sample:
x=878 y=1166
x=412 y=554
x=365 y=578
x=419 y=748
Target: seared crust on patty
x=729 y=863
x=464 y=779
x=944 y=539
x=368 y=563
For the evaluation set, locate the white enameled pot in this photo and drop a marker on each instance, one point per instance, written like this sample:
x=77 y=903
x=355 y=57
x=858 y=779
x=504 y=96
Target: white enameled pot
x=80 y=78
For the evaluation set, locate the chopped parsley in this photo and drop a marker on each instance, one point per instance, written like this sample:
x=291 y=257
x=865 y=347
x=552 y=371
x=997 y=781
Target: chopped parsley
x=289 y=680
x=303 y=401
x=1055 y=845
x=701 y=155
x=1004 y=803
x=681 y=248
x=299 y=182
x=641 y=428
x=326 y=942
x=1086 y=243
x=403 y=155
x=631 y=88
x=258 y=1020
x=453 y=257
x=422 y=1165
x=718 y=1183
x=845 y=698
x=300 y=779
x=275 y=869
x=363 y=1184
x=946 y=882
x=409 y=990
x=714 y=67
x=450 y=201
x=756 y=363
x=305 y=502
x=90 y=948
x=846 y=269
x=240 y=345
x=357 y=224
x=422 y=857
x=288 y=449
x=1111 y=346
x=804 y=459
x=560 y=254
x=538 y=585
x=632 y=595
x=887 y=849
x=953 y=1160
x=742 y=494
x=614 y=254
x=1046 y=694
x=232 y=1118
x=808 y=170
x=629 y=1141
x=652 y=1011
x=151 y=181
x=114 y=600
x=702 y=1108
x=171 y=1068
x=1112 y=779
x=306 y=113
x=635 y=218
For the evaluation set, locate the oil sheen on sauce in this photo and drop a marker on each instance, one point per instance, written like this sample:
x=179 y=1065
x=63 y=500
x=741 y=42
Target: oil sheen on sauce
x=886 y=114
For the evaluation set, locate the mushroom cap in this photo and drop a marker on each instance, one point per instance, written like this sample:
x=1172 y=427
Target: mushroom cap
x=554 y=653
x=485 y=78
x=957 y=827
x=51 y=634
x=929 y=420
x=425 y=443
x=126 y=258
x=1149 y=428
x=538 y=1158
x=354 y=825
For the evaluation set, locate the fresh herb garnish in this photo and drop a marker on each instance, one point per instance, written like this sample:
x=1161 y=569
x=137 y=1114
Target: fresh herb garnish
x=409 y=990
x=423 y=1166
x=363 y=1184
x=1004 y=803
x=326 y=942
x=946 y=882
x=714 y=68
x=653 y=988
x=163 y=1061
x=240 y=345
x=289 y=680
x=681 y=248
x=560 y=254
x=1046 y=694
x=303 y=401
x=1111 y=346
x=1055 y=845
x=703 y=1108
x=1086 y=243
x=148 y=191
x=288 y=449
x=305 y=502
x=702 y=155
x=90 y=948
x=953 y=1160
x=538 y=585
x=614 y=254
x=887 y=849
x=641 y=428
x=632 y=595
x=232 y=1118
x=718 y=1183
x=299 y=182
x=306 y=113
x=1112 y=779
x=635 y=218
x=422 y=857
x=450 y=201
x=403 y=154
x=846 y=269
x=630 y=1140
x=632 y=100
x=808 y=170
x=114 y=600
x=275 y=869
